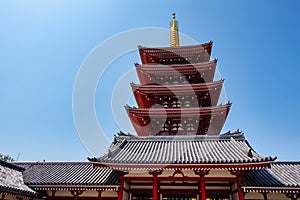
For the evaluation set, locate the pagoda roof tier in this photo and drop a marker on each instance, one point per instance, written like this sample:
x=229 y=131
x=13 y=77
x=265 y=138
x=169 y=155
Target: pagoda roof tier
x=157 y=73
x=184 y=121
x=143 y=112
x=203 y=94
x=228 y=151
x=176 y=55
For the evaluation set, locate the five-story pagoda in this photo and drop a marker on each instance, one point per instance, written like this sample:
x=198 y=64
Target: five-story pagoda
x=177 y=95
x=179 y=152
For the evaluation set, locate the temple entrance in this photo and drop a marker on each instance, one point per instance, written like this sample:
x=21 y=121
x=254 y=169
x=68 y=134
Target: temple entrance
x=179 y=197
x=217 y=198
x=166 y=197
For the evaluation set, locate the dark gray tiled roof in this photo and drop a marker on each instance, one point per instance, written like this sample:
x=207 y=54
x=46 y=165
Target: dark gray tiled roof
x=223 y=149
x=11 y=180
x=67 y=173
x=281 y=174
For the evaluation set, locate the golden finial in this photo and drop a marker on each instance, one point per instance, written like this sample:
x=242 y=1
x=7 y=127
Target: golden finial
x=174 y=37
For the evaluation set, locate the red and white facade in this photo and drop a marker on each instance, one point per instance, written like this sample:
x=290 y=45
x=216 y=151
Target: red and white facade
x=178 y=152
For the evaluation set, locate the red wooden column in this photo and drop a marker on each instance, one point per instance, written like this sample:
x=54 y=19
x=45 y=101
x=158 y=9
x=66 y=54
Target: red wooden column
x=155 y=184
x=121 y=188
x=155 y=187
x=202 y=189
x=240 y=191
x=239 y=178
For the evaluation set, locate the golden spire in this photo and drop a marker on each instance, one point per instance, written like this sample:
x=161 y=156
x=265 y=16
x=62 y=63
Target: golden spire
x=174 y=37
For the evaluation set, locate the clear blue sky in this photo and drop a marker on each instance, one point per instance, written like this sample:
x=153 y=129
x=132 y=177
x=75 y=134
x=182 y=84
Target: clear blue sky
x=43 y=43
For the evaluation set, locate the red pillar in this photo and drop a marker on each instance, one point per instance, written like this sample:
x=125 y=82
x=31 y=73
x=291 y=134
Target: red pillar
x=155 y=187
x=202 y=188
x=121 y=188
x=239 y=188
x=202 y=182
x=155 y=184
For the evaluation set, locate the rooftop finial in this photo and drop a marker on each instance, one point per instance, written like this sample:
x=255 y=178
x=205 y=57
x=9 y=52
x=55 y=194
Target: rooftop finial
x=173 y=15
x=174 y=38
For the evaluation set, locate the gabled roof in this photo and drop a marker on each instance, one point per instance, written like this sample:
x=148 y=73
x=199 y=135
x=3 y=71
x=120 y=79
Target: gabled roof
x=230 y=151
x=282 y=176
x=11 y=180
x=68 y=175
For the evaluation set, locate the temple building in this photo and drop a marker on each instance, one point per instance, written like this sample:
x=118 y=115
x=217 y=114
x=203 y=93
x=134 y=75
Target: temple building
x=179 y=152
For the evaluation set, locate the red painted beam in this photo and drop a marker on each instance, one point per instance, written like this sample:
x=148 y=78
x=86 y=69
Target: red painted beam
x=228 y=166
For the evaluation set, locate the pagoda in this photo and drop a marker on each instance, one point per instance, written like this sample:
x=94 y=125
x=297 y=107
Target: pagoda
x=177 y=94
x=179 y=152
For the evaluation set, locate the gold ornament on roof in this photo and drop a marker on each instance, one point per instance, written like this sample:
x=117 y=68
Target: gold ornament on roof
x=174 y=37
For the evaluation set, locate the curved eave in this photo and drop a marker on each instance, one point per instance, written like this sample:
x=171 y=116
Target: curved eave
x=149 y=74
x=76 y=187
x=166 y=89
x=18 y=192
x=287 y=190
x=189 y=48
x=208 y=166
x=181 y=54
x=143 y=112
x=180 y=67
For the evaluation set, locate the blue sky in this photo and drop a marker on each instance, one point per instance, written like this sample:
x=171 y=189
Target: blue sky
x=43 y=44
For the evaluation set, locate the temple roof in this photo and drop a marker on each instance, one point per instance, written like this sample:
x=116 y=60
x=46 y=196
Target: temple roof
x=158 y=73
x=205 y=120
x=67 y=175
x=176 y=68
x=180 y=54
x=230 y=151
x=282 y=176
x=179 y=111
x=184 y=88
x=11 y=180
x=167 y=68
x=204 y=94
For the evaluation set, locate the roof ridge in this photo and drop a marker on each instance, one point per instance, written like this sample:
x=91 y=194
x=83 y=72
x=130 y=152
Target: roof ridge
x=180 y=47
x=237 y=135
x=11 y=166
x=180 y=85
x=51 y=162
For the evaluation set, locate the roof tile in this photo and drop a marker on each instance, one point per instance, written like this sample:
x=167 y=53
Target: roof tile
x=281 y=174
x=67 y=173
x=11 y=180
x=227 y=148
